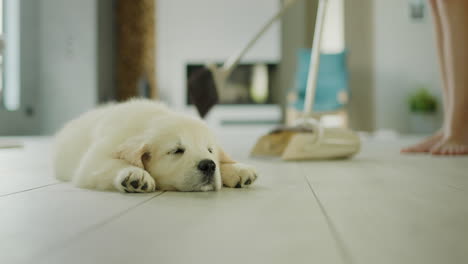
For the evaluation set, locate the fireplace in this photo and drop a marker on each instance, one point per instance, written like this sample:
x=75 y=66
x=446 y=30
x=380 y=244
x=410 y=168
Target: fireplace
x=250 y=96
x=248 y=84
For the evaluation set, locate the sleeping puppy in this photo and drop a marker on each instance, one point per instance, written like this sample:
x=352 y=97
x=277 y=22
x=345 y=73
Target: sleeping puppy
x=141 y=146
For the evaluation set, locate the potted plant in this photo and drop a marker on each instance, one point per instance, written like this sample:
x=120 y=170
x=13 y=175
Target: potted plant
x=423 y=110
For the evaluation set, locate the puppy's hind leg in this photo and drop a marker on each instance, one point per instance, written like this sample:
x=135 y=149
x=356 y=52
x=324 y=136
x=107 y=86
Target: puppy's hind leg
x=99 y=170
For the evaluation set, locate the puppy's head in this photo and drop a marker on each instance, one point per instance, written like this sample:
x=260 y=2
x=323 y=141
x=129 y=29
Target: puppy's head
x=180 y=153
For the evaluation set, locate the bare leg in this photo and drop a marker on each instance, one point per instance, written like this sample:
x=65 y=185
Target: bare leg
x=427 y=144
x=454 y=18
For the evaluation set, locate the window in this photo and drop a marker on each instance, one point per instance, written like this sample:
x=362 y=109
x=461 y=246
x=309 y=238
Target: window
x=9 y=54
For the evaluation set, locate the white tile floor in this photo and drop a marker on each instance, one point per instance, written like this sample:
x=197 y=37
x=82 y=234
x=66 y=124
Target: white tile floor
x=380 y=207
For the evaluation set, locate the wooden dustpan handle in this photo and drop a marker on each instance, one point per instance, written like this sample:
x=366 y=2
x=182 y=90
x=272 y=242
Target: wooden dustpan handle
x=315 y=59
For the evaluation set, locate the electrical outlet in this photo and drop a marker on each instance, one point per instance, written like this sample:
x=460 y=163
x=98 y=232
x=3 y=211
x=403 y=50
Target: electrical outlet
x=70 y=47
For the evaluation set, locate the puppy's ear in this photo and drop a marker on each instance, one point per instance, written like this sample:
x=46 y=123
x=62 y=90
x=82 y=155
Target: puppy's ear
x=224 y=157
x=135 y=151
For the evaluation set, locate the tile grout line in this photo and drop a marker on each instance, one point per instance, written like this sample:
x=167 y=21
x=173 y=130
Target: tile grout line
x=345 y=255
x=117 y=215
x=30 y=189
x=93 y=227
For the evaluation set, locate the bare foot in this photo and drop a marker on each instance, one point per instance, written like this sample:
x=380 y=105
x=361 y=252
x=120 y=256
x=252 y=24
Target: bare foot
x=426 y=145
x=451 y=147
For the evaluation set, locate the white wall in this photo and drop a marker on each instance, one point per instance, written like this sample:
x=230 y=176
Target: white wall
x=196 y=31
x=405 y=56
x=68 y=60
x=333 y=29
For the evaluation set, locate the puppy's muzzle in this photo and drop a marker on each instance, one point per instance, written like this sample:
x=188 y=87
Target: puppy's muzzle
x=207 y=167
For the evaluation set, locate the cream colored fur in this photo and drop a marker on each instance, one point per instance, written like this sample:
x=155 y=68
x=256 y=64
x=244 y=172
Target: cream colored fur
x=136 y=147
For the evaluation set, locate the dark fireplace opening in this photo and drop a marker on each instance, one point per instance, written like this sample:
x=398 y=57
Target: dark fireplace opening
x=252 y=83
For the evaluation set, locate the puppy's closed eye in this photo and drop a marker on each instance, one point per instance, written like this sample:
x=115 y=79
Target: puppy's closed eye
x=210 y=150
x=177 y=151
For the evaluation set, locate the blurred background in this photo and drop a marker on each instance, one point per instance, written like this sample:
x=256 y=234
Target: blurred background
x=60 y=58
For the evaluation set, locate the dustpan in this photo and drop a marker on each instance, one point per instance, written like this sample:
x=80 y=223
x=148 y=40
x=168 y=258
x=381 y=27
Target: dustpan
x=308 y=139
x=308 y=142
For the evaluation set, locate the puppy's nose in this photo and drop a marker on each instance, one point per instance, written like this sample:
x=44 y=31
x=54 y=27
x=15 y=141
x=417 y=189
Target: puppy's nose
x=207 y=166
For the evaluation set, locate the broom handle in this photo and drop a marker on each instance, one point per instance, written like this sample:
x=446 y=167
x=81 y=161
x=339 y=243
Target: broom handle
x=315 y=58
x=232 y=61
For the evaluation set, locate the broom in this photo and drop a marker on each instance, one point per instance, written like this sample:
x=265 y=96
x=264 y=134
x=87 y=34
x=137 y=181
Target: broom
x=292 y=143
x=307 y=139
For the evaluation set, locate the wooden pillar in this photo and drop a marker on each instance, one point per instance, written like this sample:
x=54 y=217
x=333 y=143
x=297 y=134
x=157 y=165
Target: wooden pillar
x=135 y=61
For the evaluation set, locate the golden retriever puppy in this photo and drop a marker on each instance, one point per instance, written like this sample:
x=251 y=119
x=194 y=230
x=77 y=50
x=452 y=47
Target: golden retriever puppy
x=141 y=146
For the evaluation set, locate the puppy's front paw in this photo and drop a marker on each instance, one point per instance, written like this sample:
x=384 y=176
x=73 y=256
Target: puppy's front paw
x=134 y=180
x=237 y=175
